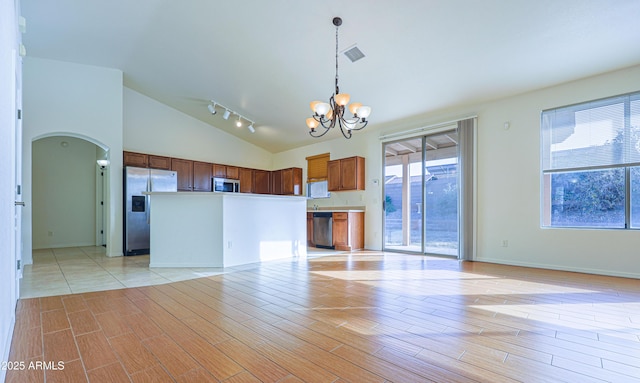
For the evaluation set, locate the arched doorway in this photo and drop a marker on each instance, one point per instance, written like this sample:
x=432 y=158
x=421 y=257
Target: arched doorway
x=68 y=196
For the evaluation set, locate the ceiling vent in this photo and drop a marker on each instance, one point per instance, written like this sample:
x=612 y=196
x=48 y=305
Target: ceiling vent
x=353 y=53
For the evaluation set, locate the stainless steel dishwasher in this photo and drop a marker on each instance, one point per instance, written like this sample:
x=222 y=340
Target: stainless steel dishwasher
x=323 y=229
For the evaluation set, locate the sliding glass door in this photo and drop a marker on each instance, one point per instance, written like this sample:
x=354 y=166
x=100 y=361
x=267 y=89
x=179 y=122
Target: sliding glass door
x=421 y=192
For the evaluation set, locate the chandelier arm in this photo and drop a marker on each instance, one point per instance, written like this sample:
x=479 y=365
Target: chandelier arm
x=345 y=131
x=326 y=130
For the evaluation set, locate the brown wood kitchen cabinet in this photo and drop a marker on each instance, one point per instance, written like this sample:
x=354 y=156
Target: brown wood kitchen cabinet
x=159 y=162
x=276 y=182
x=246 y=180
x=201 y=176
x=292 y=181
x=348 y=230
x=135 y=159
x=225 y=171
x=346 y=174
x=310 y=230
x=262 y=181
x=185 y=173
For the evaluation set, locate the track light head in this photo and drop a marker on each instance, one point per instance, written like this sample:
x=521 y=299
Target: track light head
x=251 y=128
x=212 y=108
x=226 y=114
x=239 y=122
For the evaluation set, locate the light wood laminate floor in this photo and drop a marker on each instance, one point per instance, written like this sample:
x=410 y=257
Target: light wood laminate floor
x=358 y=317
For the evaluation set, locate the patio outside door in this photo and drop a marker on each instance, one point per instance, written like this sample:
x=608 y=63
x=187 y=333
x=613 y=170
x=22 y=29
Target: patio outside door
x=421 y=191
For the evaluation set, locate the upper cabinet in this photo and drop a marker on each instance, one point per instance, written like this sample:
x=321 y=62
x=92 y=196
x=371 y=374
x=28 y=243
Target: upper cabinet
x=262 y=181
x=225 y=171
x=159 y=162
x=292 y=181
x=135 y=159
x=246 y=180
x=202 y=176
x=346 y=174
x=142 y=160
x=185 y=173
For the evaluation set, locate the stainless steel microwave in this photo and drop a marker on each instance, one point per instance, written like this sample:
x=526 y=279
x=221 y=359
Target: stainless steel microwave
x=225 y=185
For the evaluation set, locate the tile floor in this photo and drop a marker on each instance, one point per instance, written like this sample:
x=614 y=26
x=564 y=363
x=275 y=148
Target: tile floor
x=84 y=269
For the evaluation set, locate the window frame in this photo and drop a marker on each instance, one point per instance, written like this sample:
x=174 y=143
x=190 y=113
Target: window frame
x=546 y=190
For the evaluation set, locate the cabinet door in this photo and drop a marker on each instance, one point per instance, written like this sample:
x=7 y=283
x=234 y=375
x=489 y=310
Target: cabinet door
x=276 y=182
x=348 y=173
x=292 y=181
x=333 y=175
x=233 y=172
x=185 y=173
x=341 y=231
x=310 y=230
x=262 y=181
x=159 y=162
x=219 y=171
x=201 y=176
x=246 y=180
x=135 y=159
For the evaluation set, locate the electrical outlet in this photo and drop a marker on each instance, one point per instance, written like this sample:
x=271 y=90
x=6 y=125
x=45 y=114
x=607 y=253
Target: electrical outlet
x=50 y=234
x=505 y=243
x=229 y=244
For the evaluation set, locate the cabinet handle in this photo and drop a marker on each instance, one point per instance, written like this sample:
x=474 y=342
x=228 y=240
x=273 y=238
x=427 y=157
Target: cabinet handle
x=19 y=203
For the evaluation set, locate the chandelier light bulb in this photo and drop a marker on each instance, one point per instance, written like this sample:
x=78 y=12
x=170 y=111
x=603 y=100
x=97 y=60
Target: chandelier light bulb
x=353 y=107
x=313 y=104
x=312 y=123
x=364 y=111
x=342 y=99
x=322 y=108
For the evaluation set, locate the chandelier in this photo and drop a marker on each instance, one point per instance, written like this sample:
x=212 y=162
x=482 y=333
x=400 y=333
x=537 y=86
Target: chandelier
x=328 y=115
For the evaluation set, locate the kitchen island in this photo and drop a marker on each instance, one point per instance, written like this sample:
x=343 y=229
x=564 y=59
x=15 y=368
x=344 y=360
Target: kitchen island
x=224 y=229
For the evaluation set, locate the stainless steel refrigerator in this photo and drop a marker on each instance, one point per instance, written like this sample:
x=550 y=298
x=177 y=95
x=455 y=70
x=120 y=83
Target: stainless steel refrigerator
x=137 y=205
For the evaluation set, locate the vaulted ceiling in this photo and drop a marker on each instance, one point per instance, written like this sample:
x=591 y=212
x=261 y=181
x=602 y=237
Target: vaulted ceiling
x=266 y=60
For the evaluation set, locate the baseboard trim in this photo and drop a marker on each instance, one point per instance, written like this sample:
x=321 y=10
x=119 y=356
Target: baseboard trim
x=584 y=270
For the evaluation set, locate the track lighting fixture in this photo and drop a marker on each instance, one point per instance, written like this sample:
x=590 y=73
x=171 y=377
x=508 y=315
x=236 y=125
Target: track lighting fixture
x=228 y=112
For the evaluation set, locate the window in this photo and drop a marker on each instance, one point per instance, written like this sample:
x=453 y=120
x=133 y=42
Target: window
x=591 y=164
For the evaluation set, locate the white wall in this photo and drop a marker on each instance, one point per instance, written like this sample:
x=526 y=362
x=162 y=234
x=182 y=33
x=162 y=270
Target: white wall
x=509 y=186
x=508 y=181
x=152 y=127
x=64 y=192
x=81 y=101
x=9 y=84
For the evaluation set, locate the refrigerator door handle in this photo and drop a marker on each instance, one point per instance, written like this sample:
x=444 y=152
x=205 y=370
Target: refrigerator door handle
x=148 y=200
x=148 y=208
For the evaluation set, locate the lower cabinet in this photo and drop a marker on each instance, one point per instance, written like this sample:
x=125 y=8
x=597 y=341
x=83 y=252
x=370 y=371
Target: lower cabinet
x=310 y=230
x=348 y=230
